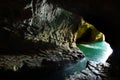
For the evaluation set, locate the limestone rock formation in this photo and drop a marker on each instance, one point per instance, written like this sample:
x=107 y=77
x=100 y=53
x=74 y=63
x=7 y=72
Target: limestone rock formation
x=34 y=31
x=40 y=35
x=88 y=33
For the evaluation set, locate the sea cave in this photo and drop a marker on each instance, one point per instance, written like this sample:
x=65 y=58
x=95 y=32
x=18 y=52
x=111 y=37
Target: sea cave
x=59 y=40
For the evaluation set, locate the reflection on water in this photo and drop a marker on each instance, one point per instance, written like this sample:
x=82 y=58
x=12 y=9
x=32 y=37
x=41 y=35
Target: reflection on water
x=80 y=65
x=97 y=51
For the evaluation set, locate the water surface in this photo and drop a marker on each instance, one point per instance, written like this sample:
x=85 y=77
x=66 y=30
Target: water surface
x=97 y=51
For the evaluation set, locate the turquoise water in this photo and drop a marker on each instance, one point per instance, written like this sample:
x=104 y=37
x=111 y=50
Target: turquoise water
x=97 y=51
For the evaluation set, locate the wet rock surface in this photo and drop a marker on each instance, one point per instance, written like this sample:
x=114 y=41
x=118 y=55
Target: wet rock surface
x=37 y=36
x=93 y=71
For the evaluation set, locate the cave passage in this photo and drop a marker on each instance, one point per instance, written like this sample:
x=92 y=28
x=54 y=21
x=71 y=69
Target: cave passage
x=41 y=36
x=96 y=51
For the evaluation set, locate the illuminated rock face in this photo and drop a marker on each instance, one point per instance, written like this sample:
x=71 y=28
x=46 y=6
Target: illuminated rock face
x=53 y=25
x=37 y=30
x=40 y=27
x=39 y=22
x=39 y=34
x=88 y=33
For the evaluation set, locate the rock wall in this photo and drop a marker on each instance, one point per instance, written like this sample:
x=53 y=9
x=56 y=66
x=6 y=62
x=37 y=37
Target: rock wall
x=36 y=29
x=93 y=71
x=26 y=23
x=36 y=33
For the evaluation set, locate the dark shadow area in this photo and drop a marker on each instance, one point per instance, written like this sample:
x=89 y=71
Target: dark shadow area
x=49 y=73
x=105 y=16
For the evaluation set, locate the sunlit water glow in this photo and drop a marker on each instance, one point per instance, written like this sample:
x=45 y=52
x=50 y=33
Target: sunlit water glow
x=97 y=51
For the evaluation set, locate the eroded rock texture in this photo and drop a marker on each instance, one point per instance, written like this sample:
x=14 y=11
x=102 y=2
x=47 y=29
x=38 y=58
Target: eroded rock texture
x=39 y=34
x=37 y=21
x=36 y=29
x=93 y=71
